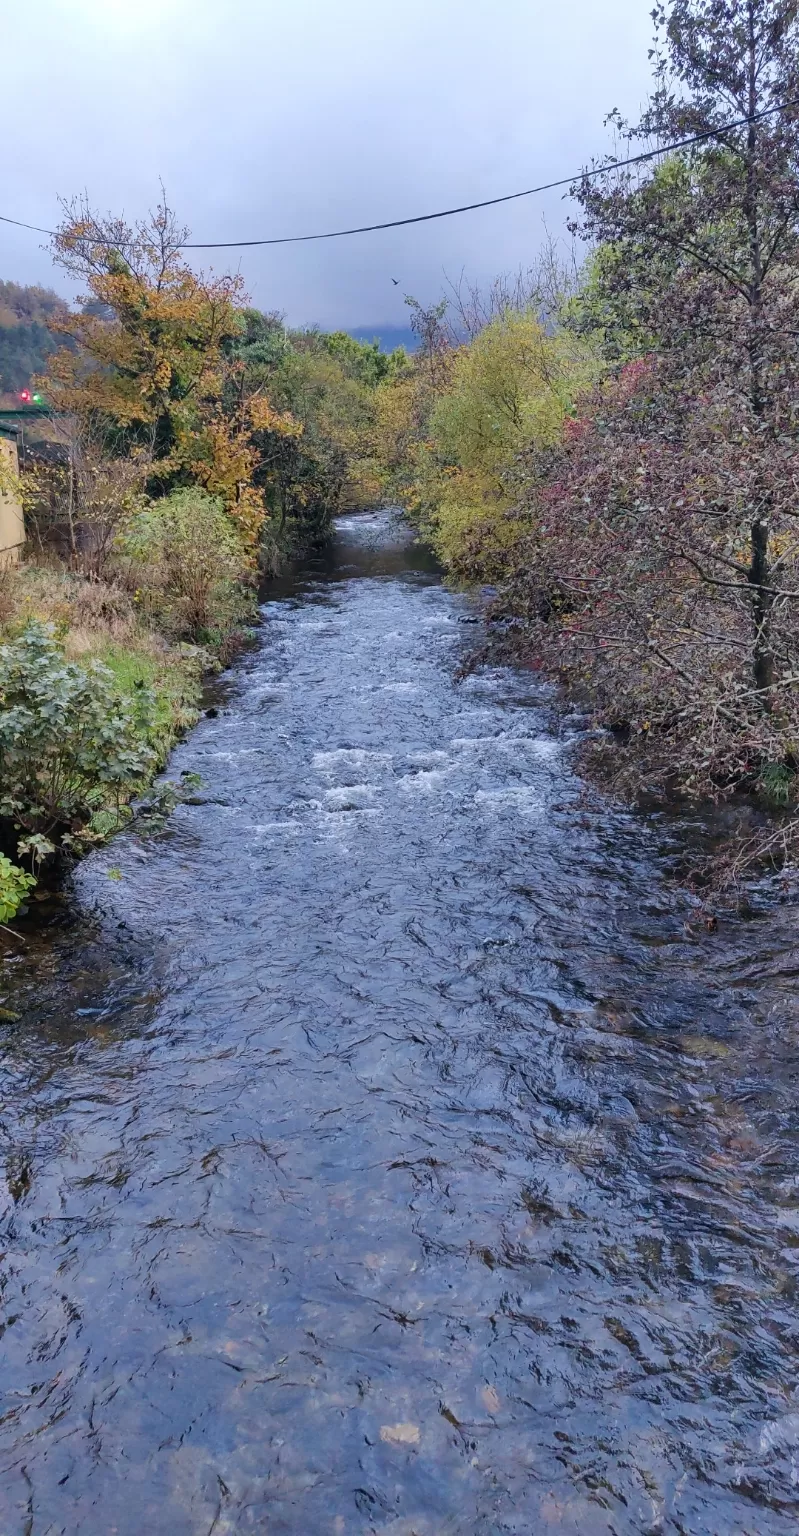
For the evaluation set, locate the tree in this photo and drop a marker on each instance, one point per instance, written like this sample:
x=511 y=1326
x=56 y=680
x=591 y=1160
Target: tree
x=186 y=563
x=152 y=354
x=512 y=386
x=616 y=536
x=704 y=251
x=430 y=329
x=362 y=360
x=313 y=451
x=656 y=562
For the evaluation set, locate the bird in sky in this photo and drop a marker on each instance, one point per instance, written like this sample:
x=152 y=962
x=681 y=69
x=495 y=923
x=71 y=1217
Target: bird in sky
x=395 y=281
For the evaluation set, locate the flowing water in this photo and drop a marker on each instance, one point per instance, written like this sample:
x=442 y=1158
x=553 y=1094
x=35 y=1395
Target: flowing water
x=383 y=1152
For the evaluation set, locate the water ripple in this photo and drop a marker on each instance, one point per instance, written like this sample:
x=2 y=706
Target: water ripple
x=382 y=1152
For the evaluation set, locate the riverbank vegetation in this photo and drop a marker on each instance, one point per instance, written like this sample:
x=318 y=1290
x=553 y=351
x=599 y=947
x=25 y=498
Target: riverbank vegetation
x=190 y=445
x=617 y=453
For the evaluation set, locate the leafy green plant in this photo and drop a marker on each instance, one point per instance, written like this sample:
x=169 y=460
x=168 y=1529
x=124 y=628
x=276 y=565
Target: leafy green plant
x=70 y=743
x=187 y=563
x=14 y=887
x=777 y=783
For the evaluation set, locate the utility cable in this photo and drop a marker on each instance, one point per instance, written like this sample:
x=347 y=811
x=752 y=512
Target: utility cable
x=448 y=213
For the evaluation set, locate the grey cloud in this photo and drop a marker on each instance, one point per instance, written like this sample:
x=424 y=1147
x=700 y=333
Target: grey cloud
x=268 y=118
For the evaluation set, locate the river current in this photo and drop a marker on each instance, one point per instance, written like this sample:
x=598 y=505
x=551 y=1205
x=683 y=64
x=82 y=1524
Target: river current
x=385 y=1150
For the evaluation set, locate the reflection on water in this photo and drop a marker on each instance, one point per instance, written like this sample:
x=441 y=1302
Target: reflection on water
x=382 y=1153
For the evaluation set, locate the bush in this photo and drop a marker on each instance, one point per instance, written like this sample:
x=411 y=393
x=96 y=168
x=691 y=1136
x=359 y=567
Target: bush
x=70 y=743
x=457 y=435
x=187 y=564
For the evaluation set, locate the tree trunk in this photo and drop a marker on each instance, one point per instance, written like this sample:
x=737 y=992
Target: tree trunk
x=762 y=599
x=758 y=574
x=73 y=543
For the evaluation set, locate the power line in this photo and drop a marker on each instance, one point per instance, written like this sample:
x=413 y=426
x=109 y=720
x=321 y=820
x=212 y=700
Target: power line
x=509 y=197
x=448 y=213
x=38 y=230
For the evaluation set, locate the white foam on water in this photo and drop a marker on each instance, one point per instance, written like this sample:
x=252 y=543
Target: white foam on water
x=260 y=829
x=328 y=763
x=429 y=759
x=338 y=827
x=543 y=747
x=350 y=797
x=423 y=782
x=546 y=748
x=524 y=799
x=233 y=757
x=354 y=521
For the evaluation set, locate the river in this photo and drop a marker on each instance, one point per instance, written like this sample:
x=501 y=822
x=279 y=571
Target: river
x=385 y=1152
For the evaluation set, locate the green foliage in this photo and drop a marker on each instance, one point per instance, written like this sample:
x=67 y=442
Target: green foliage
x=363 y=360
x=777 y=783
x=672 y=218
x=326 y=384
x=70 y=742
x=513 y=385
x=263 y=340
x=105 y=823
x=14 y=887
x=172 y=677
x=510 y=390
x=188 y=563
x=611 y=305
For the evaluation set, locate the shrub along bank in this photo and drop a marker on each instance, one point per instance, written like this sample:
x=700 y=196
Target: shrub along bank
x=98 y=678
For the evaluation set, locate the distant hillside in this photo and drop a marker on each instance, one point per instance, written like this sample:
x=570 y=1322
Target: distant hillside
x=26 y=339
x=389 y=336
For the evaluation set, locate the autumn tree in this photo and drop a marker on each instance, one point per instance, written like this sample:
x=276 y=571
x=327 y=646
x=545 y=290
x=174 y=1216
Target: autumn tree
x=511 y=387
x=151 y=360
x=625 y=572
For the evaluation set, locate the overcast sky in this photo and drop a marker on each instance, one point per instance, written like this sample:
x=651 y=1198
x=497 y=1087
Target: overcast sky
x=285 y=116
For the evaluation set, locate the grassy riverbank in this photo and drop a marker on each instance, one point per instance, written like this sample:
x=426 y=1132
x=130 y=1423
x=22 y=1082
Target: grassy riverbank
x=94 y=696
x=97 y=623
